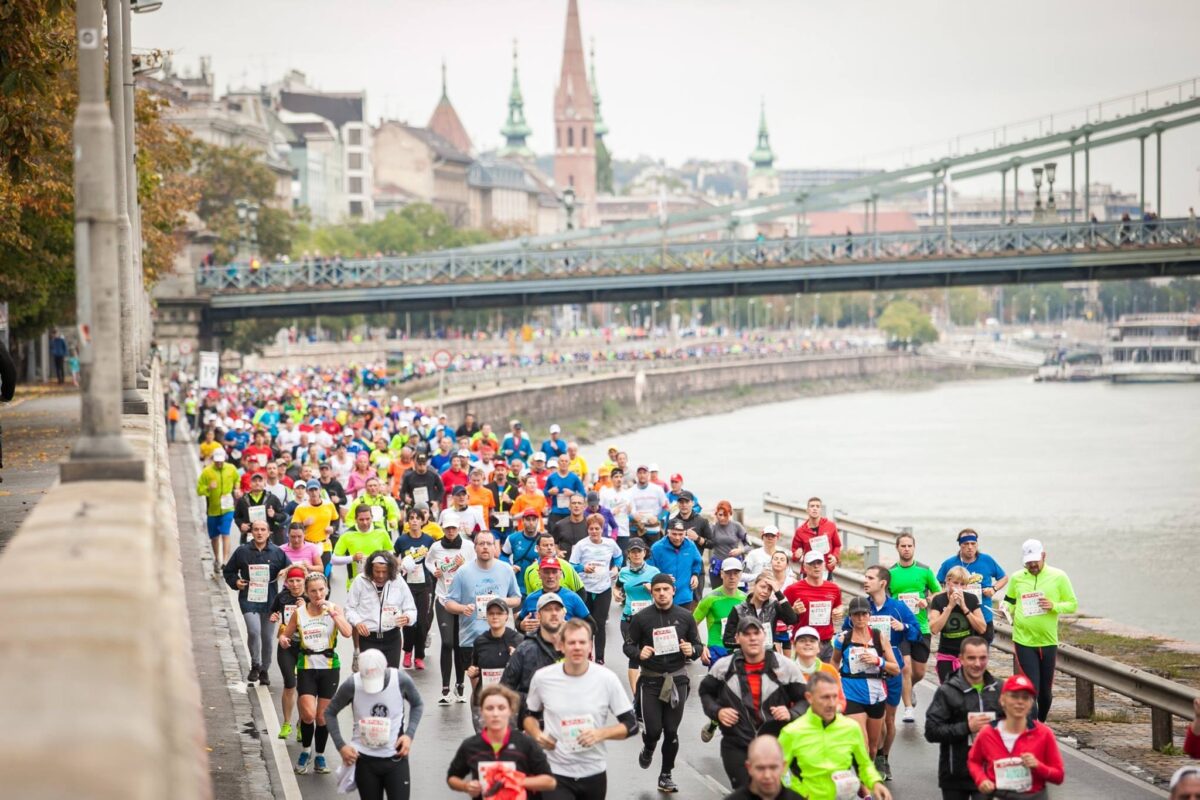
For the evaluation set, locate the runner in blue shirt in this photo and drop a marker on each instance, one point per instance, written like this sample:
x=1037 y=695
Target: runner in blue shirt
x=987 y=577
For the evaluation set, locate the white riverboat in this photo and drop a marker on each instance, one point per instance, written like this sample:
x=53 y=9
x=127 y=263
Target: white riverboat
x=1154 y=348
x=1072 y=365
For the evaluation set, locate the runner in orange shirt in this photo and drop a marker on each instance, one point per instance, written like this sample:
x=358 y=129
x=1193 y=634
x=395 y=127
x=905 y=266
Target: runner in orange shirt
x=530 y=497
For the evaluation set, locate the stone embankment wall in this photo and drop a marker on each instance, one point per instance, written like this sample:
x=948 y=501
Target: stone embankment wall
x=586 y=396
x=101 y=695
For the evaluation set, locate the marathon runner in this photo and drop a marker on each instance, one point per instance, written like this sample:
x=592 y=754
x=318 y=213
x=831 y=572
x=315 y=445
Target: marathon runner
x=864 y=660
x=547 y=549
x=520 y=548
x=319 y=517
x=491 y=653
x=598 y=561
x=758 y=560
x=817 y=602
x=411 y=549
x=984 y=576
x=281 y=613
x=497 y=751
x=379 y=605
x=816 y=533
x=385 y=513
x=217 y=484
x=913 y=584
x=253 y=570
x=538 y=649
x=447 y=556
x=355 y=544
x=1016 y=756
x=259 y=504
x=714 y=608
x=678 y=556
x=764 y=764
x=727 y=540
x=954 y=614
x=962 y=706
x=632 y=591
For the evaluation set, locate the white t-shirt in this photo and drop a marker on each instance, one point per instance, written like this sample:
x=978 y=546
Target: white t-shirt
x=573 y=703
x=287 y=440
x=616 y=501
x=756 y=561
x=650 y=500
x=604 y=555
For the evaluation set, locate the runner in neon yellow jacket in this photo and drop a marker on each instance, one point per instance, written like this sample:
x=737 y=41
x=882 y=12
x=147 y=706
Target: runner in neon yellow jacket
x=824 y=752
x=1027 y=588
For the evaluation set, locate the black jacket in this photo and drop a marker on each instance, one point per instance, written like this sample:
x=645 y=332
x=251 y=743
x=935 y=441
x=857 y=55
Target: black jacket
x=241 y=513
x=946 y=724
x=641 y=633
x=726 y=686
x=775 y=609
x=697 y=523
x=530 y=656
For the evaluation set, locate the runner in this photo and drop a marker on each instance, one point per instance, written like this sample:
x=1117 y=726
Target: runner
x=301 y=553
x=954 y=615
x=473 y=585
x=1037 y=595
x=383 y=733
x=727 y=540
x=491 y=653
x=253 y=570
x=385 y=513
x=575 y=699
x=598 y=560
x=217 y=484
x=355 y=544
x=764 y=764
x=775 y=688
x=1185 y=784
x=816 y=601
x=962 y=706
x=765 y=603
x=758 y=560
x=538 y=649
x=473 y=768
x=421 y=485
x=315 y=625
x=411 y=549
x=662 y=639
x=572 y=529
x=550 y=578
x=913 y=584
x=563 y=486
x=632 y=591
x=863 y=660
x=824 y=752
x=379 y=605
x=281 y=613
x=646 y=502
x=714 y=608
x=984 y=576
x=447 y=556
x=816 y=533
x=259 y=504
x=546 y=549
x=520 y=548
x=806 y=645
x=1016 y=756
x=319 y=517
x=615 y=498
x=677 y=556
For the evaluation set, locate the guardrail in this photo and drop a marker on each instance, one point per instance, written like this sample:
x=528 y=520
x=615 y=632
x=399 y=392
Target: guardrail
x=1165 y=698
x=848 y=526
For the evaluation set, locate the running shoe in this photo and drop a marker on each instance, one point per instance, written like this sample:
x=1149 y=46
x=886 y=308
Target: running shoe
x=302 y=763
x=884 y=768
x=253 y=675
x=285 y=731
x=645 y=757
x=444 y=700
x=460 y=695
x=263 y=678
x=321 y=768
x=420 y=663
x=909 y=716
x=707 y=732
x=408 y=660
x=666 y=785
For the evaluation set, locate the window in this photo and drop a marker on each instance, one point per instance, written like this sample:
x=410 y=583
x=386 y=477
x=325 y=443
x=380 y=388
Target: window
x=354 y=136
x=354 y=160
x=583 y=137
x=558 y=137
x=356 y=208
x=571 y=180
x=356 y=186
x=570 y=137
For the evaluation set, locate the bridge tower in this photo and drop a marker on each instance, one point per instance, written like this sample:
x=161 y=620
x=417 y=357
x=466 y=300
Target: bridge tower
x=516 y=129
x=574 y=125
x=764 y=181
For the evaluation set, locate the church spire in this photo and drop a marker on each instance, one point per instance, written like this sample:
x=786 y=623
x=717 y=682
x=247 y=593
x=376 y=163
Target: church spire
x=601 y=126
x=515 y=129
x=444 y=95
x=762 y=158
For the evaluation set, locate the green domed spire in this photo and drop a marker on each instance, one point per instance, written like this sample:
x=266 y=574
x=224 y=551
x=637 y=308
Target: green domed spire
x=762 y=158
x=601 y=127
x=516 y=130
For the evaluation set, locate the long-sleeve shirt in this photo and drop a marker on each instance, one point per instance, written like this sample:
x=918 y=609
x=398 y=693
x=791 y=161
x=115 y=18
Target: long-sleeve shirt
x=378 y=606
x=1037 y=739
x=345 y=694
x=220 y=498
x=238 y=567
x=642 y=626
x=1034 y=626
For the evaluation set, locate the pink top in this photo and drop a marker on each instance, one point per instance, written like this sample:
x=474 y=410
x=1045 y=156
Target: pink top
x=307 y=553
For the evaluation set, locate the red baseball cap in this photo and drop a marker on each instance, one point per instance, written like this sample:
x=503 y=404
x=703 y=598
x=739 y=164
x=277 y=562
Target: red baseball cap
x=1019 y=683
x=552 y=563
x=676 y=478
x=532 y=512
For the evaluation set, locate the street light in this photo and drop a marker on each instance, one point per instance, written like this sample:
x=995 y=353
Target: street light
x=1051 y=169
x=1037 y=186
x=568 y=199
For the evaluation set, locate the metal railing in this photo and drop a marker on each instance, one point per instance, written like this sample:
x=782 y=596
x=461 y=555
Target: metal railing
x=1165 y=698
x=517 y=265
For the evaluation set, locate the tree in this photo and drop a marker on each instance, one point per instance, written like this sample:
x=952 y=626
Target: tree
x=604 y=170
x=230 y=174
x=167 y=189
x=969 y=305
x=903 y=320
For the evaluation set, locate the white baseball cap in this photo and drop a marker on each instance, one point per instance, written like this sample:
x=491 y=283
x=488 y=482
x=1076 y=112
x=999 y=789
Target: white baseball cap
x=807 y=630
x=813 y=556
x=1032 y=550
x=463 y=453
x=555 y=429
x=654 y=467
x=731 y=564
x=372 y=667
x=770 y=530
x=450 y=521
x=218 y=454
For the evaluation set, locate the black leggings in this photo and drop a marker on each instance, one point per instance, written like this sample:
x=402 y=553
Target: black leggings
x=593 y=787
x=1037 y=664
x=414 y=635
x=598 y=606
x=377 y=776
x=451 y=652
x=389 y=644
x=661 y=719
x=733 y=758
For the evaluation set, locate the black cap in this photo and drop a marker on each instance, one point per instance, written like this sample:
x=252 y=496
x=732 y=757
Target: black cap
x=636 y=543
x=593 y=497
x=662 y=577
x=497 y=602
x=421 y=457
x=686 y=495
x=459 y=490
x=859 y=605
x=678 y=525
x=749 y=621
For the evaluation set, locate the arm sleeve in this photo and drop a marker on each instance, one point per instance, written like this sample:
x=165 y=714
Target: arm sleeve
x=702 y=608
x=1068 y=604
x=728 y=635
x=976 y=760
x=784 y=611
x=416 y=706
x=632 y=635
x=341 y=699
x=230 y=571
x=458 y=765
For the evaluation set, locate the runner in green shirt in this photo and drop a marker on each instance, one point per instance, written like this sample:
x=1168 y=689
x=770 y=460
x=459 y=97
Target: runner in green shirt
x=913 y=584
x=713 y=609
x=354 y=545
x=387 y=518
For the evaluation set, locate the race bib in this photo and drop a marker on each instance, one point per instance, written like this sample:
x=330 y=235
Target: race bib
x=446 y=565
x=986 y=716
x=377 y=513
x=488 y=677
x=861 y=661
x=262 y=459
x=259 y=577
x=569 y=729
x=502 y=519
x=883 y=624
x=227 y=502
x=819 y=544
x=637 y=605
x=375 y=731
x=1030 y=604
x=257 y=514
x=416 y=575
x=391 y=617
x=561 y=501
x=846 y=783
x=820 y=612
x=481 y=601
x=1012 y=775
x=315 y=635
x=975 y=589
x=421 y=495
x=599 y=566
x=666 y=641
x=288 y=611
x=910 y=599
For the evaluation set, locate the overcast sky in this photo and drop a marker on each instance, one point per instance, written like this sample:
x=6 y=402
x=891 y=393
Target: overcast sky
x=847 y=83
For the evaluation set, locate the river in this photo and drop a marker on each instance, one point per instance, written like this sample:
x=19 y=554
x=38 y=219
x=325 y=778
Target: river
x=1107 y=476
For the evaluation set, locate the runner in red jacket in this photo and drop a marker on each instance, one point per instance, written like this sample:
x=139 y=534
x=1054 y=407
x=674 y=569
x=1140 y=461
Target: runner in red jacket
x=1017 y=754
x=817 y=533
x=1191 y=742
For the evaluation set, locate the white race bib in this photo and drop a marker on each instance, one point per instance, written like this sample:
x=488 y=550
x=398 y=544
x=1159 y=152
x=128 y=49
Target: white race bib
x=637 y=605
x=820 y=612
x=375 y=731
x=975 y=589
x=910 y=599
x=1012 y=775
x=502 y=519
x=819 y=544
x=259 y=577
x=846 y=783
x=262 y=459
x=488 y=677
x=416 y=575
x=287 y=614
x=569 y=729
x=1030 y=604
x=315 y=635
x=377 y=513
x=257 y=514
x=883 y=624
x=421 y=495
x=861 y=661
x=481 y=601
x=666 y=641
x=391 y=617
x=226 y=502
x=561 y=500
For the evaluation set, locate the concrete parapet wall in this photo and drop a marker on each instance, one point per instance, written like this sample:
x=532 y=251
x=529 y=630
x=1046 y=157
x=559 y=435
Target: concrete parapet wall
x=101 y=696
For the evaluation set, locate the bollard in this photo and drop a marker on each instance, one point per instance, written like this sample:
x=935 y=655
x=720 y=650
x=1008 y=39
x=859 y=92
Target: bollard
x=1085 y=693
x=1161 y=735
x=870 y=554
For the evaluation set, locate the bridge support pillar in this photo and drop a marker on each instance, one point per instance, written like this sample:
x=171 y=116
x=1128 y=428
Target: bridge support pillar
x=1158 y=209
x=1072 y=180
x=1141 y=175
x=1003 y=196
x=1087 y=178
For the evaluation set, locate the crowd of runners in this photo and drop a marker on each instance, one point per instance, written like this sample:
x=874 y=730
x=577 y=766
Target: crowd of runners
x=527 y=560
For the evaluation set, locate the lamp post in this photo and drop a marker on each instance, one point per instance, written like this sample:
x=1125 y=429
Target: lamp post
x=1051 y=211
x=247 y=217
x=568 y=200
x=1037 y=188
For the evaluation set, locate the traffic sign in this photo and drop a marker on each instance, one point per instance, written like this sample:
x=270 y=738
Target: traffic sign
x=185 y=347
x=442 y=359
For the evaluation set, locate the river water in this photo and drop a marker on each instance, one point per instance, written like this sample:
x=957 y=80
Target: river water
x=1107 y=476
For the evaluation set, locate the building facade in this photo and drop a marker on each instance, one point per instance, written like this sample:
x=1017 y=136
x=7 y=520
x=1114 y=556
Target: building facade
x=574 y=125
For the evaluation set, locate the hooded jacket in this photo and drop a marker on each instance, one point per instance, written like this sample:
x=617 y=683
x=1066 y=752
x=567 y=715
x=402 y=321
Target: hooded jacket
x=946 y=725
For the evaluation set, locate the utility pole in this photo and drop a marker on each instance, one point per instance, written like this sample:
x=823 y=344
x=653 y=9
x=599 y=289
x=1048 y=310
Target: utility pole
x=100 y=452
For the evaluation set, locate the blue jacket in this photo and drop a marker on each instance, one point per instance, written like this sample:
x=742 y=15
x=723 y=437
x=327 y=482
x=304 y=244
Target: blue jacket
x=510 y=450
x=572 y=604
x=894 y=608
x=554 y=449
x=556 y=481
x=681 y=563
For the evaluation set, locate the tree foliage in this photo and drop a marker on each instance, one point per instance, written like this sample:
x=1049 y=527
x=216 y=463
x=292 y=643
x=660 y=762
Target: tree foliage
x=904 y=320
x=416 y=228
x=167 y=188
x=230 y=174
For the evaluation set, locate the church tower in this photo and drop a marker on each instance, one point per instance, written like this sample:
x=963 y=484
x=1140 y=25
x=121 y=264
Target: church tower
x=764 y=182
x=516 y=129
x=574 y=125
